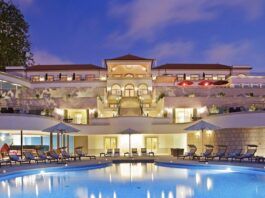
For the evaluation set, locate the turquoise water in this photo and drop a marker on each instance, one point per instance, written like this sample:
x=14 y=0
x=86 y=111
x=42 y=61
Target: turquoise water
x=136 y=181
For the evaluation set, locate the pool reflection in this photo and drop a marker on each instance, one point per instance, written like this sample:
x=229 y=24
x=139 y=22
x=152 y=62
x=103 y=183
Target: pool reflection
x=117 y=181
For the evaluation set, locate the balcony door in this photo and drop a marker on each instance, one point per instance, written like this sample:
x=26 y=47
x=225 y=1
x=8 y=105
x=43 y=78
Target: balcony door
x=151 y=144
x=110 y=142
x=129 y=91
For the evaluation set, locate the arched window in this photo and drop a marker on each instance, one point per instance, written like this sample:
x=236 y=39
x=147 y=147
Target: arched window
x=129 y=90
x=142 y=89
x=116 y=89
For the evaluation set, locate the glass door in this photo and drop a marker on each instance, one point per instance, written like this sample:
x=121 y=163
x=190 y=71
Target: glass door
x=129 y=91
x=151 y=144
x=110 y=142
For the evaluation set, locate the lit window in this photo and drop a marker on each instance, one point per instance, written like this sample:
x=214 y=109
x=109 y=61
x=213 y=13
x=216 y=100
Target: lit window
x=220 y=77
x=110 y=142
x=116 y=90
x=77 y=77
x=90 y=76
x=180 y=77
x=63 y=78
x=194 y=77
x=183 y=115
x=208 y=77
x=35 y=78
x=143 y=89
x=50 y=78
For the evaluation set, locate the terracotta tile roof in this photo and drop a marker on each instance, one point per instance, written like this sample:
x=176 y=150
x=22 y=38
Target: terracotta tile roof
x=129 y=57
x=192 y=66
x=65 y=67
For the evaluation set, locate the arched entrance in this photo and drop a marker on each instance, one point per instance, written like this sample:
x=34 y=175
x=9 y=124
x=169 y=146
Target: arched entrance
x=116 y=89
x=142 y=89
x=129 y=90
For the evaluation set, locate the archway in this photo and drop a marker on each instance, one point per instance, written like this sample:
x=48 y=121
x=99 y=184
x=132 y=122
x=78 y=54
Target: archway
x=142 y=89
x=116 y=89
x=129 y=90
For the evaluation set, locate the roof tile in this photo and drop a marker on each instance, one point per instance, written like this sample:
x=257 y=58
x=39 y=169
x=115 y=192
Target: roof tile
x=192 y=66
x=65 y=67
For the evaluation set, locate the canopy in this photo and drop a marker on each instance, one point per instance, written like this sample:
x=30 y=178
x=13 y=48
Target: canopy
x=220 y=82
x=129 y=131
x=185 y=83
x=205 y=82
x=202 y=125
x=61 y=128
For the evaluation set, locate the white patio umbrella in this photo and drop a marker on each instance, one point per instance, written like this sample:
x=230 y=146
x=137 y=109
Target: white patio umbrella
x=129 y=132
x=60 y=128
x=202 y=126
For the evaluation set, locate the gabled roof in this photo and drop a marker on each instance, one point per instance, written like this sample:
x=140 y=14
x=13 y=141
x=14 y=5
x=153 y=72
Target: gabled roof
x=192 y=66
x=129 y=57
x=64 y=67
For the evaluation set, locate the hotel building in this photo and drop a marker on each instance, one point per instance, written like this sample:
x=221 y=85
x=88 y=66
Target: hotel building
x=158 y=101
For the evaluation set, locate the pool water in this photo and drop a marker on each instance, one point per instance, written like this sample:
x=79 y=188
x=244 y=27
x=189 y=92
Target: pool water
x=138 y=180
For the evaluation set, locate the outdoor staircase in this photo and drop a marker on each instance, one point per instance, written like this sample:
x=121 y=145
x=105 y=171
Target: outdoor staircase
x=130 y=106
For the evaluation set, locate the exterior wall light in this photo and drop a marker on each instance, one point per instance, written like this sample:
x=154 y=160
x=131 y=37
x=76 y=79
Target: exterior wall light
x=2 y=138
x=202 y=110
x=59 y=111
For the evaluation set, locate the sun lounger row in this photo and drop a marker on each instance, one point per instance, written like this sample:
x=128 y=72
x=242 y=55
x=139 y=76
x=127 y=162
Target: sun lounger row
x=57 y=156
x=134 y=152
x=221 y=154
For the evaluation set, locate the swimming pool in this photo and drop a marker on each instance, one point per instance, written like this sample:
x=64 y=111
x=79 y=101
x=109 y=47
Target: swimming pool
x=136 y=180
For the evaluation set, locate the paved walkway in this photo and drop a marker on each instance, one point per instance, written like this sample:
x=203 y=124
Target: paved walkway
x=25 y=166
x=104 y=160
x=174 y=160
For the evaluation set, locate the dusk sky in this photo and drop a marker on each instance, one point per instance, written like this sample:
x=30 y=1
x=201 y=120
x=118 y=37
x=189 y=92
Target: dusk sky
x=171 y=31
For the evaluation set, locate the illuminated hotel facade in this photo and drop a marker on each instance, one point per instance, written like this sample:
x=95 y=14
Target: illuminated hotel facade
x=158 y=101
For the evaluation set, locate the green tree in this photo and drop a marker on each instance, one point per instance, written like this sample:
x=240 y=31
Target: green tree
x=14 y=37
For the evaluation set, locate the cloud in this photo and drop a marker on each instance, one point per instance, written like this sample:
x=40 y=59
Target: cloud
x=229 y=53
x=235 y=53
x=43 y=57
x=253 y=9
x=241 y=52
x=145 y=18
x=178 y=50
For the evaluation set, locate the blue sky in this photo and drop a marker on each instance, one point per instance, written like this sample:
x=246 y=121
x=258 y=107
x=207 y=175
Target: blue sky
x=181 y=31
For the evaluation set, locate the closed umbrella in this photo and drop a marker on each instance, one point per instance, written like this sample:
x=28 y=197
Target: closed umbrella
x=220 y=82
x=129 y=132
x=202 y=126
x=60 y=128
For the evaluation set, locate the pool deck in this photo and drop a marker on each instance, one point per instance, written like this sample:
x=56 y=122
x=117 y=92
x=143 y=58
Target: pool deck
x=5 y=169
